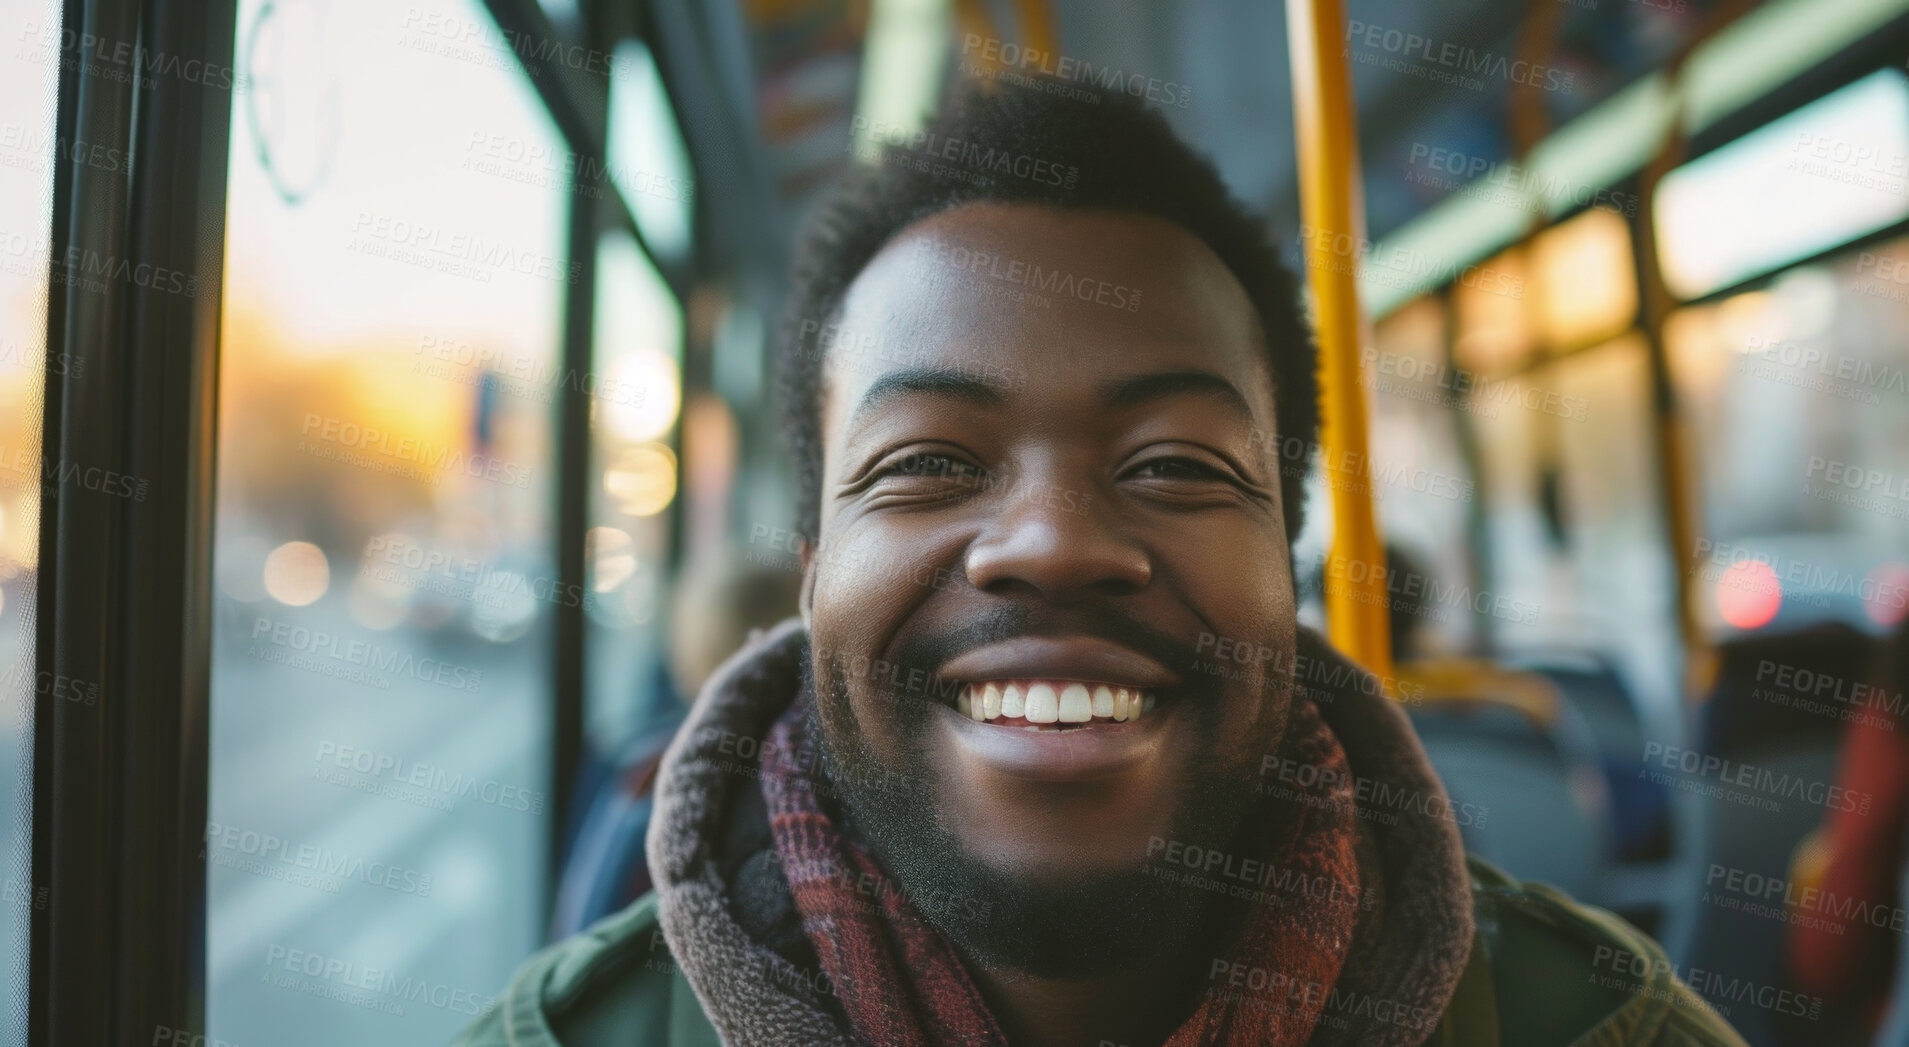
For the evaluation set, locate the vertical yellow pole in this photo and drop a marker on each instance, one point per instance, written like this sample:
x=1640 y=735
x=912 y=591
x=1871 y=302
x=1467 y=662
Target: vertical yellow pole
x=1036 y=19
x=1037 y=27
x=1333 y=210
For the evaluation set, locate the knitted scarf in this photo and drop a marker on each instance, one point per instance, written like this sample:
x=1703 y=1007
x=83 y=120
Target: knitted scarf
x=901 y=983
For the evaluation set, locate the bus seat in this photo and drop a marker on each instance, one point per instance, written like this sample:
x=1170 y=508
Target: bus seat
x=1726 y=839
x=1529 y=797
x=1749 y=722
x=1640 y=807
x=1747 y=706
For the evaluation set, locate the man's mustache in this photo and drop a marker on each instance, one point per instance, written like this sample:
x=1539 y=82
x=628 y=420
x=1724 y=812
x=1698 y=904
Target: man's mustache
x=920 y=656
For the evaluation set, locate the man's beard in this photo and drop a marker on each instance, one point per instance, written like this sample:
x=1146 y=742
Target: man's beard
x=1080 y=927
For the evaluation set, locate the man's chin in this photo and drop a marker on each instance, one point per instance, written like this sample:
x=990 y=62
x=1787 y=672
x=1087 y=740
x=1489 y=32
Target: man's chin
x=1047 y=924
x=1034 y=911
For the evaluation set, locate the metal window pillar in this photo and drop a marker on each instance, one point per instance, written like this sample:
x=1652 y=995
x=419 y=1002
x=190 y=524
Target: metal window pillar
x=127 y=476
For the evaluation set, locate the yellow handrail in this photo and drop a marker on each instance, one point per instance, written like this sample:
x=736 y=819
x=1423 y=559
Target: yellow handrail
x=1333 y=211
x=1471 y=681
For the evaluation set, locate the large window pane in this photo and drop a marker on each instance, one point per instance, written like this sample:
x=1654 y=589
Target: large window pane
x=395 y=274
x=1840 y=165
x=638 y=338
x=1617 y=595
x=28 y=81
x=1796 y=394
x=1423 y=490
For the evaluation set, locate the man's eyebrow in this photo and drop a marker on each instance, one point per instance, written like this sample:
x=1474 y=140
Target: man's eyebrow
x=933 y=381
x=1145 y=388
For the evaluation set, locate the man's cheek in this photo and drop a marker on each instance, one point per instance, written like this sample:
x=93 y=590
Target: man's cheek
x=852 y=614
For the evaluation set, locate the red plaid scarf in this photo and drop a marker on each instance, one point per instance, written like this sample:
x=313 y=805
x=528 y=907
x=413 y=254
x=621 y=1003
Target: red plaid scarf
x=902 y=984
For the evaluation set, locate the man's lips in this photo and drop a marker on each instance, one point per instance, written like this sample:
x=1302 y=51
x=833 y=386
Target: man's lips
x=1085 y=658
x=1043 y=753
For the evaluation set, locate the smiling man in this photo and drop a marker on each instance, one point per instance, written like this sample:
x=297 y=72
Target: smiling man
x=1046 y=759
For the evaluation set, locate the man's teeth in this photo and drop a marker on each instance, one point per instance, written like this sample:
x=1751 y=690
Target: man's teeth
x=1040 y=702
x=1042 y=705
x=1076 y=707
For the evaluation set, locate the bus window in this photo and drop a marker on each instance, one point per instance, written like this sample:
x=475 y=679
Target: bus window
x=1491 y=314
x=1835 y=162
x=1817 y=351
x=1597 y=406
x=1583 y=282
x=1423 y=485
x=638 y=338
x=396 y=267
x=27 y=149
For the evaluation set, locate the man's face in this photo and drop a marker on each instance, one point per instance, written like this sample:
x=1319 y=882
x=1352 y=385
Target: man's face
x=1047 y=489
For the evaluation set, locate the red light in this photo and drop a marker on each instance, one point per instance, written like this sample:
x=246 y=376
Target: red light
x=1748 y=594
x=1886 y=594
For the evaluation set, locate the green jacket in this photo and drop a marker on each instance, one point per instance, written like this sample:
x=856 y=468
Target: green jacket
x=1544 y=971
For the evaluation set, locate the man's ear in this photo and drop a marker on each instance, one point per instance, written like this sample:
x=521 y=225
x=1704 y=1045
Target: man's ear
x=806 y=601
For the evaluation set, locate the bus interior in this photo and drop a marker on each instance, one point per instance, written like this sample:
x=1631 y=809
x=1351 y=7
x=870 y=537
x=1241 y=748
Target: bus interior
x=388 y=450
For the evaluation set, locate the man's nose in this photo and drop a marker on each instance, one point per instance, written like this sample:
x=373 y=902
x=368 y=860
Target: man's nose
x=1057 y=541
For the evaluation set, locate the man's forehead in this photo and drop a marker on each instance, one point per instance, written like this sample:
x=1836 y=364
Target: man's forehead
x=1030 y=298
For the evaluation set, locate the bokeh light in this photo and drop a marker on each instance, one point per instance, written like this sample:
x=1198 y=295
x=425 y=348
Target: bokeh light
x=1748 y=594
x=642 y=479
x=297 y=573
x=1886 y=594
x=611 y=554
x=645 y=395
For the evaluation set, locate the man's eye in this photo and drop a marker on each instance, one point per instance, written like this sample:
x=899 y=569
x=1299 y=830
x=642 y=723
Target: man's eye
x=933 y=466
x=1178 y=469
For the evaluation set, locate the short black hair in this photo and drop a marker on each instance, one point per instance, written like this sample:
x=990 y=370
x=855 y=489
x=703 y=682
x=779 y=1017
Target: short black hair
x=1056 y=144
